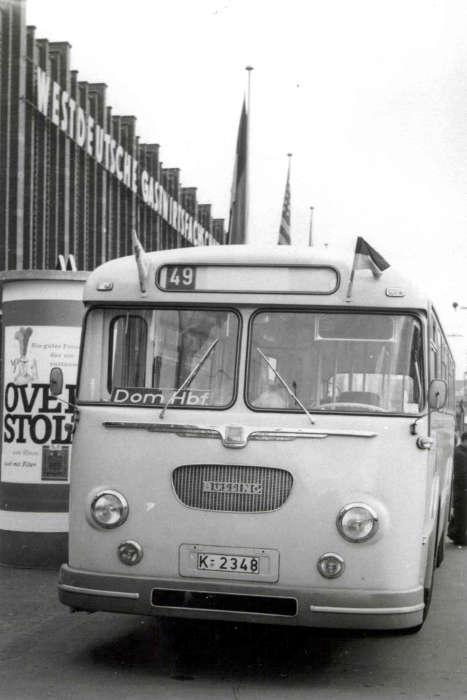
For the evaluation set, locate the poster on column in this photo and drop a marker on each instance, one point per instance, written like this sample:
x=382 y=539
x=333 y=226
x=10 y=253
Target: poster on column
x=37 y=427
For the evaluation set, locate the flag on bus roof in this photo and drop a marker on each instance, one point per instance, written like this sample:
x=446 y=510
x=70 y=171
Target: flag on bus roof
x=238 y=199
x=367 y=258
x=284 y=228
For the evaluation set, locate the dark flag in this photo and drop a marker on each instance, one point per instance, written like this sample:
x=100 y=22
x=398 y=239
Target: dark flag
x=366 y=258
x=284 y=228
x=238 y=200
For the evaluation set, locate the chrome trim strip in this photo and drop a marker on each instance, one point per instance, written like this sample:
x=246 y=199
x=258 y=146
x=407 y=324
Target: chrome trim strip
x=96 y=591
x=198 y=431
x=177 y=428
x=285 y=434
x=368 y=611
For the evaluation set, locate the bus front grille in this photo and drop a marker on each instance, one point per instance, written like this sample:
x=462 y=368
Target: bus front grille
x=232 y=488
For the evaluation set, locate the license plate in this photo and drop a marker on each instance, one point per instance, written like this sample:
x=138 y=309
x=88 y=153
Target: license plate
x=230 y=563
x=210 y=561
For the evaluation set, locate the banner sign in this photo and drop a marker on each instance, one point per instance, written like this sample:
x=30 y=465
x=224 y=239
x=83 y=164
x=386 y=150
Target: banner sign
x=59 y=106
x=36 y=425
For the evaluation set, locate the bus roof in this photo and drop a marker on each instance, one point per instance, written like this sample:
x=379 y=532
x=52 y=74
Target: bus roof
x=288 y=275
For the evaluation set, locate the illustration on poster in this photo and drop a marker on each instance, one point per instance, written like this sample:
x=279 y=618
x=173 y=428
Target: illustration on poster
x=24 y=367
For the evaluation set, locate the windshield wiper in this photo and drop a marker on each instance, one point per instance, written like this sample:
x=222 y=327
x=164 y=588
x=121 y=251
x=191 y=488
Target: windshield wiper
x=286 y=386
x=190 y=377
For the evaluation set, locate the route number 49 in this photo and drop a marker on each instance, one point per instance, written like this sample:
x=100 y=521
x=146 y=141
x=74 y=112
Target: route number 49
x=180 y=277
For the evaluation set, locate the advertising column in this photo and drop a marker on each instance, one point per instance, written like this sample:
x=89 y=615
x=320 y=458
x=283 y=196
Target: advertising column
x=42 y=315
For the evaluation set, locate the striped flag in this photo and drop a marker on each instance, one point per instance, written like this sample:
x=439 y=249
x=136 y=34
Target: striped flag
x=238 y=199
x=284 y=228
x=366 y=258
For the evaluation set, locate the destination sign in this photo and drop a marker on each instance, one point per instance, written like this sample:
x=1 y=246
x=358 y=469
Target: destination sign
x=277 y=279
x=142 y=396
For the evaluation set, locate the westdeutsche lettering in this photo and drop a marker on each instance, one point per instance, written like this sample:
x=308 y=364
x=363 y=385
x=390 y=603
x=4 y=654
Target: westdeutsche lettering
x=60 y=107
x=157 y=397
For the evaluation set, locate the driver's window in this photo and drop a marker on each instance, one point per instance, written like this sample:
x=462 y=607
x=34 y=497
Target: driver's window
x=128 y=348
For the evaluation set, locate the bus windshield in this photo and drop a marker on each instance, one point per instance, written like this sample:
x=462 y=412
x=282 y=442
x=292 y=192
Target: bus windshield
x=348 y=362
x=151 y=352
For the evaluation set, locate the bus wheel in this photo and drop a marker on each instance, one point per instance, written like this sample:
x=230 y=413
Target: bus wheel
x=440 y=552
x=427 y=594
x=410 y=630
x=440 y=547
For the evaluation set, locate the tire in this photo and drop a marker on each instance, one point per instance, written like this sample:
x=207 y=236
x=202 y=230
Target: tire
x=428 y=590
x=439 y=558
x=440 y=552
x=427 y=595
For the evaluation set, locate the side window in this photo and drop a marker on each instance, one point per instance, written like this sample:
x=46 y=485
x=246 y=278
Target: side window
x=435 y=352
x=128 y=343
x=444 y=361
x=441 y=363
x=451 y=389
x=416 y=369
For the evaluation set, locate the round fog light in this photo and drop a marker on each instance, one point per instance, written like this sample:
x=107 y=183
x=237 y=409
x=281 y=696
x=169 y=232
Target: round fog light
x=331 y=565
x=130 y=553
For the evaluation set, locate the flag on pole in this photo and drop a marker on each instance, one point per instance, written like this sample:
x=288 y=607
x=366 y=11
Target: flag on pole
x=238 y=199
x=284 y=228
x=366 y=258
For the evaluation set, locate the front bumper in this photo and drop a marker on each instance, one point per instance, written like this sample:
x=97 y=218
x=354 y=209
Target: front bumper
x=309 y=607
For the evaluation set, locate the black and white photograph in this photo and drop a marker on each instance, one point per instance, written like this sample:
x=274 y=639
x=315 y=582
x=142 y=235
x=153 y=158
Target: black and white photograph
x=233 y=350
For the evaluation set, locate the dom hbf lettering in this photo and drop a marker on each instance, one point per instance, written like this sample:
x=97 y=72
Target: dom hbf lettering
x=33 y=415
x=156 y=397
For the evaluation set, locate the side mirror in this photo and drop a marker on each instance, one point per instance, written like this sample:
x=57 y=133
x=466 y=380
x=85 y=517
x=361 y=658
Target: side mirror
x=437 y=394
x=56 y=381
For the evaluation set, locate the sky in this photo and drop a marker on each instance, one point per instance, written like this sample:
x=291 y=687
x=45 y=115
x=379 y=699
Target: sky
x=370 y=97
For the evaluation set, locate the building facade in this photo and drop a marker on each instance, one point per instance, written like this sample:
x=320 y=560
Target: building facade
x=74 y=182
x=74 y=178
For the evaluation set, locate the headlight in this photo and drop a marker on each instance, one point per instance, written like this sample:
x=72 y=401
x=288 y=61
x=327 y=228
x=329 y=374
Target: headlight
x=357 y=522
x=109 y=509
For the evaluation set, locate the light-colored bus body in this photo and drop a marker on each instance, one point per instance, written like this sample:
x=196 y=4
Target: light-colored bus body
x=398 y=463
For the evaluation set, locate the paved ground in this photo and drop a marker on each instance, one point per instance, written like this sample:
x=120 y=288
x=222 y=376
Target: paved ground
x=47 y=652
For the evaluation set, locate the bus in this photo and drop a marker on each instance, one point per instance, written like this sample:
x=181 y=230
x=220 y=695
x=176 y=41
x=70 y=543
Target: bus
x=255 y=442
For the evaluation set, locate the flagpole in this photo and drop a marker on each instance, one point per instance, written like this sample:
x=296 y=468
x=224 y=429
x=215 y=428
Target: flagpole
x=352 y=275
x=348 y=296
x=247 y=175
x=289 y=156
x=310 y=232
